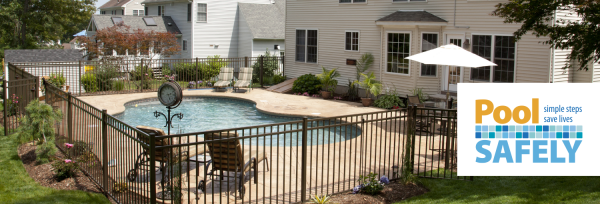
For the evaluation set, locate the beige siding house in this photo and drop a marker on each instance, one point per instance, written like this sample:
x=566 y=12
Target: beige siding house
x=328 y=33
x=122 y=7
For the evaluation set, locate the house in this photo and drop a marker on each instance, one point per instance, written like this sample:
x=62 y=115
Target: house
x=123 y=7
x=227 y=28
x=145 y=23
x=335 y=33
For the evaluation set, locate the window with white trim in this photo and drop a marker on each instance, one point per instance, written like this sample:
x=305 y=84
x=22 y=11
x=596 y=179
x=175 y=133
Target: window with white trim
x=184 y=45
x=138 y=12
x=398 y=49
x=498 y=49
x=429 y=42
x=352 y=1
x=352 y=40
x=202 y=13
x=306 y=46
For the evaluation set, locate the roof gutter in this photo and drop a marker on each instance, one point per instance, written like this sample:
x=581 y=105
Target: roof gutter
x=467 y=27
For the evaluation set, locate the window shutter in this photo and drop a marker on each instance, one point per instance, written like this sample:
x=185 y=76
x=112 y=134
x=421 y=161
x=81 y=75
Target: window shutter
x=189 y=16
x=159 y=9
x=146 y=11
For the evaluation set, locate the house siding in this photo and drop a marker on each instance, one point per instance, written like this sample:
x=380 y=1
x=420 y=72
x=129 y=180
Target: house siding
x=333 y=19
x=259 y=47
x=245 y=38
x=178 y=12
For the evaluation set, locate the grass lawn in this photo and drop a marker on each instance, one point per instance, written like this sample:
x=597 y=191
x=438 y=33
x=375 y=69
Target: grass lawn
x=17 y=187
x=512 y=189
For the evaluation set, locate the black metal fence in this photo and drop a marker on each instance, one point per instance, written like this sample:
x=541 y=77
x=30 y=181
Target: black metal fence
x=282 y=163
x=141 y=75
x=20 y=89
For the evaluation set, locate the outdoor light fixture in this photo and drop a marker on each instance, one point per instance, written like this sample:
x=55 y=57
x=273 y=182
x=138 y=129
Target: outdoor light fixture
x=395 y=171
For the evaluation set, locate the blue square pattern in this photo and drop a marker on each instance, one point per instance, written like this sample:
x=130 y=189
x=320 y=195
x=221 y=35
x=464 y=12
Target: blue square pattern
x=538 y=128
x=573 y=135
x=531 y=128
x=546 y=135
x=525 y=128
x=573 y=128
x=579 y=134
x=478 y=128
x=579 y=128
x=519 y=128
x=478 y=135
x=558 y=134
x=498 y=128
x=552 y=134
x=512 y=135
x=565 y=128
x=505 y=128
x=525 y=135
x=519 y=135
x=546 y=128
x=484 y=135
x=492 y=135
x=484 y=128
x=504 y=134
x=565 y=134
x=539 y=135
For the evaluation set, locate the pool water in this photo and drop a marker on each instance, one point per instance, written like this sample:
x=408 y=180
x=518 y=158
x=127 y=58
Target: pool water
x=205 y=114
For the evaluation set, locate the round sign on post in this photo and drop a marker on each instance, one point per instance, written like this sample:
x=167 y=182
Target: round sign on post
x=170 y=94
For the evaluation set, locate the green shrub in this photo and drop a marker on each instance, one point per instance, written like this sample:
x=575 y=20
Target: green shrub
x=270 y=66
x=419 y=92
x=166 y=70
x=371 y=184
x=388 y=101
x=105 y=74
x=206 y=70
x=307 y=83
x=45 y=152
x=278 y=78
x=185 y=71
x=119 y=85
x=13 y=105
x=64 y=169
x=141 y=71
x=212 y=67
x=57 y=79
x=38 y=123
x=90 y=83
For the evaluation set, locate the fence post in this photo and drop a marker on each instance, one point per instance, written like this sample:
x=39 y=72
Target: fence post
x=408 y=163
x=37 y=87
x=246 y=61
x=197 y=72
x=152 y=149
x=262 y=57
x=282 y=65
x=142 y=72
x=304 y=145
x=79 y=77
x=105 y=151
x=5 y=101
x=70 y=117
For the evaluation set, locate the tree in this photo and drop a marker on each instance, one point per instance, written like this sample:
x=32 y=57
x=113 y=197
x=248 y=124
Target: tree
x=30 y=24
x=538 y=16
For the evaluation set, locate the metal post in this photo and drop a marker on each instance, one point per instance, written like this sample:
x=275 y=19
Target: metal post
x=197 y=72
x=70 y=117
x=282 y=65
x=104 y=150
x=261 y=70
x=152 y=167
x=37 y=87
x=5 y=99
x=142 y=75
x=80 y=77
x=246 y=61
x=304 y=153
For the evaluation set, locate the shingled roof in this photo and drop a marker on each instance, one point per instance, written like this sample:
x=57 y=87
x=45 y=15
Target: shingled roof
x=422 y=16
x=43 y=55
x=137 y=22
x=266 y=21
x=114 y=3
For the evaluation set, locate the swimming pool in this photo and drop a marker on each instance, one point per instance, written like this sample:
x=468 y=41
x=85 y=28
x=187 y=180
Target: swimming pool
x=212 y=113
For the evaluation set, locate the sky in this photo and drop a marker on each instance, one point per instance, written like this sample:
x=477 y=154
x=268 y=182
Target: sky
x=100 y=3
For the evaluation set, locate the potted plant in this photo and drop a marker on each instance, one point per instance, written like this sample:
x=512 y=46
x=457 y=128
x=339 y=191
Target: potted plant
x=329 y=82
x=371 y=86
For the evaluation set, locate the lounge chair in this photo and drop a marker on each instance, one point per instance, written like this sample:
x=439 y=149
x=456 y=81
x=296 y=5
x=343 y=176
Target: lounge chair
x=161 y=155
x=229 y=156
x=244 y=79
x=225 y=78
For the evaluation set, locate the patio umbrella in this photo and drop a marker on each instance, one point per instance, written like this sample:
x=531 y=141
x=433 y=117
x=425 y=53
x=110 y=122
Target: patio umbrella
x=451 y=55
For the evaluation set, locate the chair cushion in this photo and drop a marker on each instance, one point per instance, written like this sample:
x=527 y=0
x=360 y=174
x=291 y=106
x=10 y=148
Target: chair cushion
x=222 y=83
x=245 y=74
x=241 y=83
x=258 y=154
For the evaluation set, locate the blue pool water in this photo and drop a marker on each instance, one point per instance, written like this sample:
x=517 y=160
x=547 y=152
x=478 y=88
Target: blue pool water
x=205 y=114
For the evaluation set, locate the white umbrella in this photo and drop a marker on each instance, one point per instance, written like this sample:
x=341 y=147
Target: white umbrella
x=451 y=55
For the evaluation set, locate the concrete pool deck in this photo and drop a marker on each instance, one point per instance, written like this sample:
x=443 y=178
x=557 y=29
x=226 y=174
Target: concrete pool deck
x=275 y=103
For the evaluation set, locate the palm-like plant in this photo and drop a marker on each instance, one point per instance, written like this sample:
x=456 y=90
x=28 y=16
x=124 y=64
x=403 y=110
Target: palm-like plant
x=328 y=79
x=324 y=199
x=370 y=84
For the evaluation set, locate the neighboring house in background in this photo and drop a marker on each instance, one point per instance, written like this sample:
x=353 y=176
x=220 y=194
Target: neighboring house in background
x=332 y=33
x=123 y=7
x=228 y=28
x=146 y=23
x=73 y=43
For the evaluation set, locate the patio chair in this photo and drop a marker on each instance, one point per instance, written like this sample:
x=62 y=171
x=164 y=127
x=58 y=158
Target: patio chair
x=244 y=79
x=229 y=156
x=423 y=124
x=161 y=155
x=225 y=78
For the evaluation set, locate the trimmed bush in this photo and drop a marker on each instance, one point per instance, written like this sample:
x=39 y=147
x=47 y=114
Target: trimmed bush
x=119 y=85
x=307 y=83
x=388 y=101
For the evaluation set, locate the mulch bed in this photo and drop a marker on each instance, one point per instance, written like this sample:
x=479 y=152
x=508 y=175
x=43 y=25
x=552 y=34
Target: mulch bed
x=391 y=193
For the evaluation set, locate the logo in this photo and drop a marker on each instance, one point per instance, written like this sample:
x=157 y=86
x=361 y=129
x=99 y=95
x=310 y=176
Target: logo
x=513 y=130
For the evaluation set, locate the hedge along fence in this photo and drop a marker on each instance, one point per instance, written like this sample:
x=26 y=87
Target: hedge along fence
x=116 y=76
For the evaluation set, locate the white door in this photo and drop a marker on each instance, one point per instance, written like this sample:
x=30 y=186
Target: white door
x=453 y=75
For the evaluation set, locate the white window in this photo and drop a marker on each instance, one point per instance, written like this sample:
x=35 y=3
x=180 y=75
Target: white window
x=429 y=41
x=352 y=1
x=184 y=45
x=352 y=40
x=398 y=49
x=138 y=12
x=306 y=46
x=202 y=17
x=409 y=0
x=498 y=49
